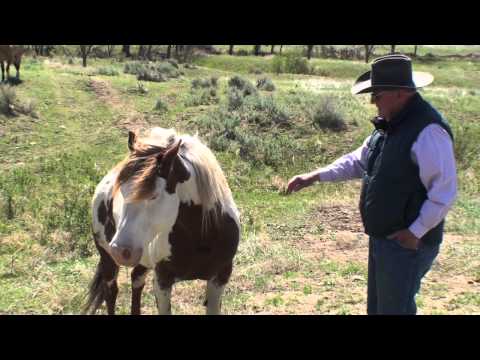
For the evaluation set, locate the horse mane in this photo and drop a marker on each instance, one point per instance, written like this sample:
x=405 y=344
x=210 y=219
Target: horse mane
x=212 y=187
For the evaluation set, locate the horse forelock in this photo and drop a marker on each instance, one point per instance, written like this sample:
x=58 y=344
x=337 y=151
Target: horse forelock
x=141 y=167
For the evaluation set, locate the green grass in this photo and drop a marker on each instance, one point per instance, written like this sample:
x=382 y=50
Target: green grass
x=51 y=165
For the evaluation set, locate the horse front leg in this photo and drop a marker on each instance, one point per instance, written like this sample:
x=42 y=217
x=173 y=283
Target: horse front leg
x=162 y=287
x=138 y=276
x=8 y=71
x=214 y=297
x=3 y=70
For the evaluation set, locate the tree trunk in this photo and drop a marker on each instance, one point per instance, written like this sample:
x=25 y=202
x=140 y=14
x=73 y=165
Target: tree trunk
x=141 y=52
x=169 y=51
x=415 y=51
x=281 y=46
x=309 y=52
x=110 y=49
x=149 y=52
x=368 y=52
x=392 y=50
x=126 y=50
x=272 y=51
x=256 y=49
x=230 y=50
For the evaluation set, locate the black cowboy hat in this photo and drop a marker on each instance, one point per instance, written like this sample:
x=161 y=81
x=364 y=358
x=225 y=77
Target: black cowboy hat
x=391 y=72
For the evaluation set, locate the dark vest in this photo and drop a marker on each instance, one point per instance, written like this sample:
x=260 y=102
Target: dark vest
x=392 y=192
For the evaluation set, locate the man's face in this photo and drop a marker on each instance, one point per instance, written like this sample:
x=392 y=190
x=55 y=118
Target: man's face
x=388 y=102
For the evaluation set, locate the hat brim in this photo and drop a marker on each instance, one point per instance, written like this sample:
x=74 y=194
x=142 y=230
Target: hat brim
x=363 y=84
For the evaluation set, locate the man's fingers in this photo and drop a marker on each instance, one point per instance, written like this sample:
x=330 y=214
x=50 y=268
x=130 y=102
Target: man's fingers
x=392 y=236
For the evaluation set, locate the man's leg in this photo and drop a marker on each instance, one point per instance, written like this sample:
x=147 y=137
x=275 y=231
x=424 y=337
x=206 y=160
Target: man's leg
x=399 y=272
x=372 y=286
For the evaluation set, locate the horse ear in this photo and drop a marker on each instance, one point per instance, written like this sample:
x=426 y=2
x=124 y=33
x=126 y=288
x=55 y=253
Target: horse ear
x=174 y=169
x=132 y=137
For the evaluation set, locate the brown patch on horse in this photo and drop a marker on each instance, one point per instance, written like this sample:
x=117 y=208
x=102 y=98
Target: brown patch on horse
x=200 y=255
x=109 y=225
x=102 y=213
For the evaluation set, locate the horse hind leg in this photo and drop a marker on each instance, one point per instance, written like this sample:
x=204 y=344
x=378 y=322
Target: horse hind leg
x=215 y=290
x=138 y=276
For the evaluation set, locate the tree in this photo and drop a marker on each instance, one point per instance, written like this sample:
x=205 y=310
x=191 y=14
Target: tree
x=149 y=52
x=230 y=50
x=110 y=49
x=392 y=48
x=415 y=50
x=309 y=51
x=126 y=50
x=368 y=51
x=256 y=49
x=281 y=46
x=169 y=51
x=141 y=52
x=272 y=51
x=85 y=50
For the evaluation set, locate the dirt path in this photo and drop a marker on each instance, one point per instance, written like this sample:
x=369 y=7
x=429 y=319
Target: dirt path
x=129 y=118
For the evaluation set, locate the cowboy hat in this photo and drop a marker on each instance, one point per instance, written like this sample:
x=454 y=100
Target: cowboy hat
x=391 y=72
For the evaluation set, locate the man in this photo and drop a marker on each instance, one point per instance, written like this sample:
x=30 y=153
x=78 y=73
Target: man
x=409 y=183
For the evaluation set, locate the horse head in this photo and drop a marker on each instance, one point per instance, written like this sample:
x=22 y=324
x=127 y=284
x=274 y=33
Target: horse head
x=145 y=202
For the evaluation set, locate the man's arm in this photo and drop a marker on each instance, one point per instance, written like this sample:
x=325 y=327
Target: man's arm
x=434 y=154
x=350 y=166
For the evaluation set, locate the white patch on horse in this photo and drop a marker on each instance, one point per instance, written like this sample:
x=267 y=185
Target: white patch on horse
x=214 y=298
x=163 y=298
x=140 y=280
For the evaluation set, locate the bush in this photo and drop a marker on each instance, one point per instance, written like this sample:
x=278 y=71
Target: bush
x=204 y=83
x=108 y=71
x=158 y=72
x=265 y=84
x=291 y=63
x=7 y=99
x=160 y=106
x=326 y=116
x=201 y=97
x=149 y=75
x=245 y=86
x=242 y=52
x=264 y=111
x=234 y=98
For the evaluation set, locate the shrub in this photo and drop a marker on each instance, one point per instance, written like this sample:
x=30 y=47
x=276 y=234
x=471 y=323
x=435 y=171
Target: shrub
x=158 y=72
x=265 y=84
x=160 y=106
x=326 y=116
x=234 y=98
x=291 y=63
x=7 y=99
x=245 y=86
x=201 y=97
x=204 y=83
x=108 y=71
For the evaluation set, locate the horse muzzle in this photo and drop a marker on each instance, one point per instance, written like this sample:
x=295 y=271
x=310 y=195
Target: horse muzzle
x=126 y=256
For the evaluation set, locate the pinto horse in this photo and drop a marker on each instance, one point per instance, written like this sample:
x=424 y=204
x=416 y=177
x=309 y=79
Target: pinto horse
x=10 y=55
x=166 y=207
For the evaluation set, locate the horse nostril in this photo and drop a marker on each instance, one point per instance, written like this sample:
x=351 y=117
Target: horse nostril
x=126 y=253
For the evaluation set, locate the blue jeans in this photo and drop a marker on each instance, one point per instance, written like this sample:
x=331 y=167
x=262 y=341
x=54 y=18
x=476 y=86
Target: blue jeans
x=394 y=276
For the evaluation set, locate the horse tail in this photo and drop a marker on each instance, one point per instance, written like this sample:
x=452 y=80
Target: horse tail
x=97 y=291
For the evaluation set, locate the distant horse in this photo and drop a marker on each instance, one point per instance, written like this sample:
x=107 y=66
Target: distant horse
x=10 y=55
x=166 y=207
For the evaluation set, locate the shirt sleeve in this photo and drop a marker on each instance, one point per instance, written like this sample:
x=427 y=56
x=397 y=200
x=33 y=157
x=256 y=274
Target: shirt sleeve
x=350 y=166
x=434 y=154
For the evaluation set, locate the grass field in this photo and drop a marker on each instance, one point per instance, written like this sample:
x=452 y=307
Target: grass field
x=300 y=254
